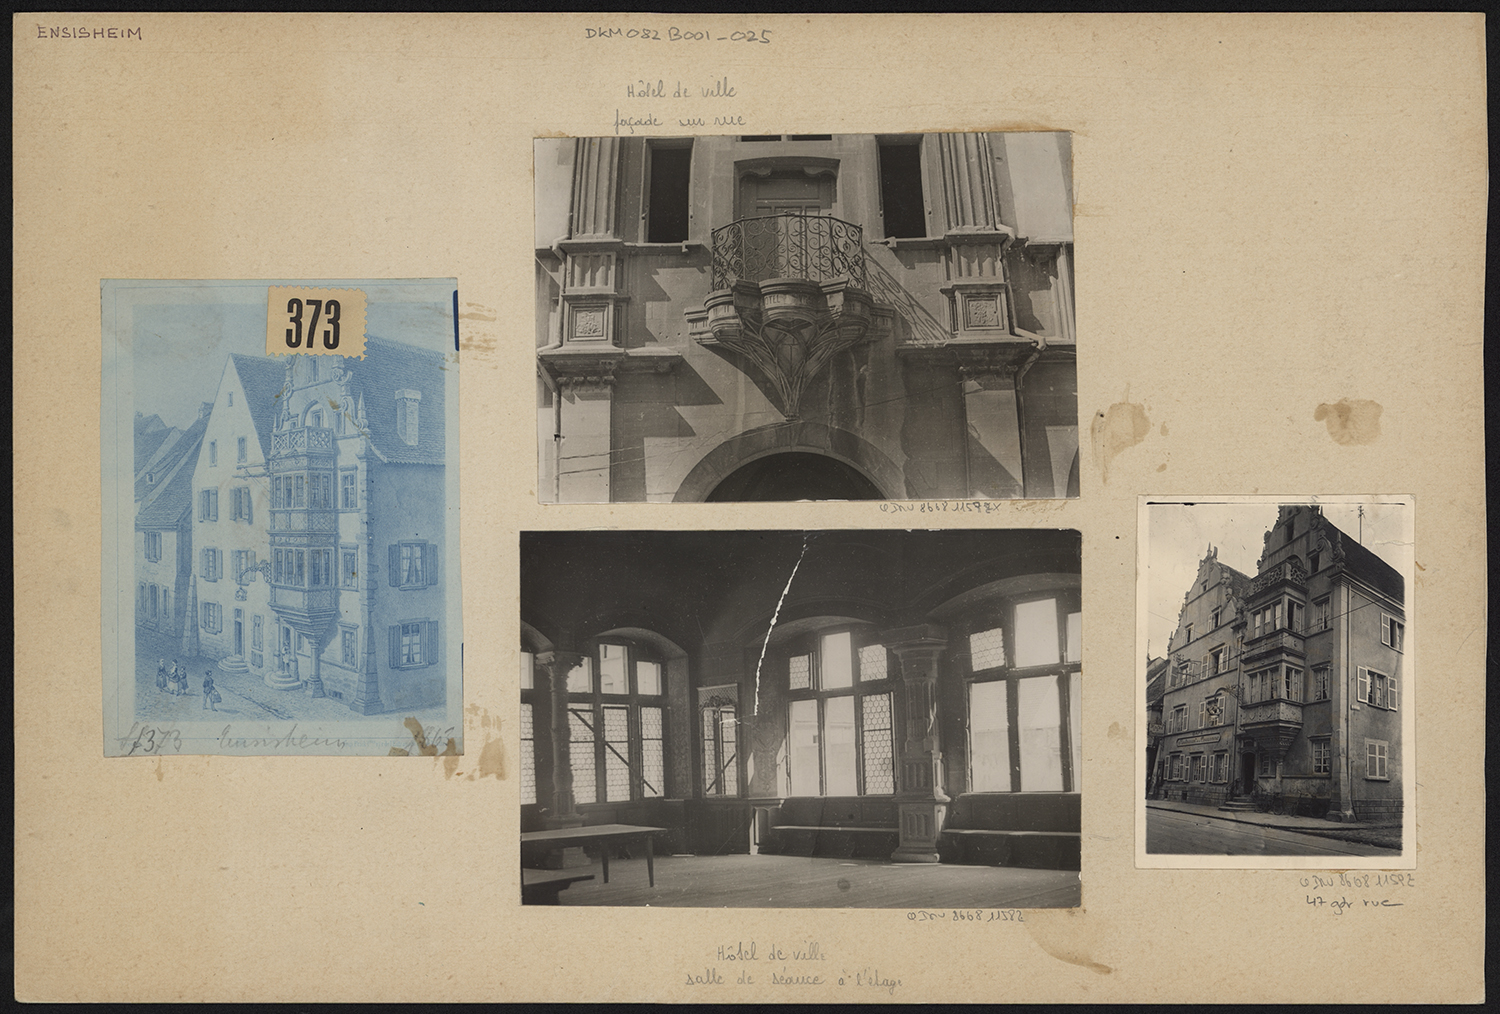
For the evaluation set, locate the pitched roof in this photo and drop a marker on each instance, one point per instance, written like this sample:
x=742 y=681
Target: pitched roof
x=262 y=379
x=391 y=366
x=173 y=499
x=1366 y=566
x=1239 y=584
x=1156 y=684
x=149 y=434
x=180 y=445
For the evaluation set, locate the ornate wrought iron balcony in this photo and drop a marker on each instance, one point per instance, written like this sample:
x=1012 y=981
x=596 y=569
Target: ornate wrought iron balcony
x=817 y=248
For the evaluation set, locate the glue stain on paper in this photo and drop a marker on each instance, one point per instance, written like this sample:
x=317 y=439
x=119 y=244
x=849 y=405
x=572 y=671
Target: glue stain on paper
x=1351 y=421
x=1042 y=924
x=492 y=745
x=450 y=754
x=474 y=336
x=1121 y=426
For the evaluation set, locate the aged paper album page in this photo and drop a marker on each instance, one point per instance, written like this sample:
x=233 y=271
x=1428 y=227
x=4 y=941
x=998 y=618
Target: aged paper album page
x=1167 y=439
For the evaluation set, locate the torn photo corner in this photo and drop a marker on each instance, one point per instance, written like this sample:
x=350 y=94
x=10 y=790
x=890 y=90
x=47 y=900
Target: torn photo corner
x=279 y=499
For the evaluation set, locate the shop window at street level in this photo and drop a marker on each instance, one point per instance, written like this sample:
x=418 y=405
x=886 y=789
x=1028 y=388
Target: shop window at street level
x=1322 y=757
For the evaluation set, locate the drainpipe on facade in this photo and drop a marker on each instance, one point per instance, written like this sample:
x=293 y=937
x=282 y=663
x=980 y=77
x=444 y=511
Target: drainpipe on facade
x=1021 y=372
x=1346 y=785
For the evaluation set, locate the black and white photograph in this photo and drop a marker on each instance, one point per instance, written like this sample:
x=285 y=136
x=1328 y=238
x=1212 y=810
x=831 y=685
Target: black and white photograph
x=1277 y=691
x=805 y=317
x=801 y=719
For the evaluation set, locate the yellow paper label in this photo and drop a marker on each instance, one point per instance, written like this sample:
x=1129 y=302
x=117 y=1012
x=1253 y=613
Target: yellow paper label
x=323 y=322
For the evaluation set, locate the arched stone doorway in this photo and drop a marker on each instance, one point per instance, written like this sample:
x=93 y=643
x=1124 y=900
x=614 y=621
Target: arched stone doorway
x=794 y=475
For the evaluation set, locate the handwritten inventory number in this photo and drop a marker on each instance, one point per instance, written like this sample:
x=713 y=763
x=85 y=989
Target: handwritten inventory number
x=761 y=36
x=147 y=740
x=966 y=915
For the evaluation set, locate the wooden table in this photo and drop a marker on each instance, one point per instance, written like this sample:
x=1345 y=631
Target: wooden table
x=604 y=835
x=542 y=887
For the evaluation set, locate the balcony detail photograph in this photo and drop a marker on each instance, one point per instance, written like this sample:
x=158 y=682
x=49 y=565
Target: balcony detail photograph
x=805 y=317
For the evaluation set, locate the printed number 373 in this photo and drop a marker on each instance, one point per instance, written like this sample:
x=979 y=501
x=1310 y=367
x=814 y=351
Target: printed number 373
x=329 y=309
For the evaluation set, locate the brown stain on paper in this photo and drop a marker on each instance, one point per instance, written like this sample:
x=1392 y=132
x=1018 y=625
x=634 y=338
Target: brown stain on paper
x=478 y=340
x=1351 y=421
x=1118 y=428
x=1058 y=932
x=450 y=754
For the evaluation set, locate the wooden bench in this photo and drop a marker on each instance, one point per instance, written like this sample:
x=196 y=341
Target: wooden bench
x=542 y=887
x=1038 y=830
x=836 y=826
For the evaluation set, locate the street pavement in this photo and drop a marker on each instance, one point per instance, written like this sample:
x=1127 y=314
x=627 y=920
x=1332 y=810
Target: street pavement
x=245 y=697
x=1190 y=829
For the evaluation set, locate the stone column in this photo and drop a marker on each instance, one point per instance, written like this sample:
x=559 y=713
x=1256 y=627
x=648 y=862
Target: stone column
x=314 y=684
x=564 y=809
x=596 y=184
x=920 y=799
x=968 y=181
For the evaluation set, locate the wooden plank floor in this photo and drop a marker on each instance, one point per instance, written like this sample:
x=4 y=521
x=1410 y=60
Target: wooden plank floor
x=797 y=882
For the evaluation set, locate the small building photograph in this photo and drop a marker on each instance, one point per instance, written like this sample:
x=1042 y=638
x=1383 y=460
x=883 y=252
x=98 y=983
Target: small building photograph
x=1276 y=679
x=291 y=546
x=790 y=719
x=805 y=317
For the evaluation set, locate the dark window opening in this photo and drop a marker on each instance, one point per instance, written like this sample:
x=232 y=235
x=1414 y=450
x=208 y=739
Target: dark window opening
x=760 y=137
x=810 y=137
x=668 y=221
x=901 y=190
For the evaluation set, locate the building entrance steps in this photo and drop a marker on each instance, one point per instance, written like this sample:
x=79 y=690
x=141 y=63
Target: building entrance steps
x=1386 y=834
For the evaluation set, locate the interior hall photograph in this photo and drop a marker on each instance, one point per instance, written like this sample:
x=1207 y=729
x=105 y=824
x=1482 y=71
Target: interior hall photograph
x=801 y=719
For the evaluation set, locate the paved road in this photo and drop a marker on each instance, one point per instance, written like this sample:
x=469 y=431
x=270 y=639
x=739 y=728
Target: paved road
x=1173 y=833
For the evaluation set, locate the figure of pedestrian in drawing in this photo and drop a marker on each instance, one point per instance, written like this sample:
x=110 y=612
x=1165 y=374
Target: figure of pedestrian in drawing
x=179 y=679
x=211 y=696
x=161 y=674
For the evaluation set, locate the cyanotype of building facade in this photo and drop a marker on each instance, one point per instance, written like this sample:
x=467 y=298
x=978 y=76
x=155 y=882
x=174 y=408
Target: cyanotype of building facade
x=308 y=541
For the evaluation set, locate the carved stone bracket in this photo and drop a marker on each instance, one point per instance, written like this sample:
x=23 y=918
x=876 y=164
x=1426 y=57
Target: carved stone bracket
x=787 y=329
